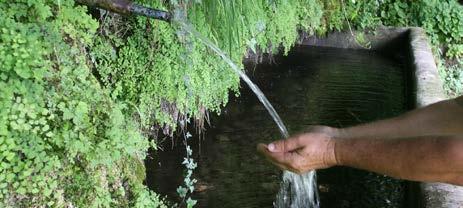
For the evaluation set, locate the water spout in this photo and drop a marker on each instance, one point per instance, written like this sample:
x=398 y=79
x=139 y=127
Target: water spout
x=296 y=191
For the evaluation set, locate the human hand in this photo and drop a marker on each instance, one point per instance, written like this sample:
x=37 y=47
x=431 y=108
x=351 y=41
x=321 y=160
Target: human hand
x=303 y=152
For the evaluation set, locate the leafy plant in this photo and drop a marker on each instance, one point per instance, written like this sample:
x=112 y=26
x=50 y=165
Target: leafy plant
x=190 y=166
x=83 y=97
x=64 y=140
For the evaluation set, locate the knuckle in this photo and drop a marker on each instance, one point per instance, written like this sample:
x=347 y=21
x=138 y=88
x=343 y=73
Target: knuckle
x=300 y=138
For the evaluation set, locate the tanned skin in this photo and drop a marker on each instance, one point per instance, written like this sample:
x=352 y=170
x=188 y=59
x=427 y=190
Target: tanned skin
x=425 y=144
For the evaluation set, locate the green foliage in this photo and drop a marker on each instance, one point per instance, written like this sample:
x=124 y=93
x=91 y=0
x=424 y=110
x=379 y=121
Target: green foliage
x=442 y=21
x=166 y=77
x=453 y=78
x=62 y=136
x=80 y=96
x=267 y=25
x=362 y=14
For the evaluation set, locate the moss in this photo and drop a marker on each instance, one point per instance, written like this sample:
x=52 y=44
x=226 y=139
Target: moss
x=134 y=168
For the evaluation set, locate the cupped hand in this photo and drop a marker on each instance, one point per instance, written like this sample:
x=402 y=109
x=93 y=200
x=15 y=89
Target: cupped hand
x=303 y=152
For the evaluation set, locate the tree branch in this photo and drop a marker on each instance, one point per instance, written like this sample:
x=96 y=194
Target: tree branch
x=126 y=7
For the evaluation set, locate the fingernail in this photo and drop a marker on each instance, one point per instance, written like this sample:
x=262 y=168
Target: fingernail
x=271 y=147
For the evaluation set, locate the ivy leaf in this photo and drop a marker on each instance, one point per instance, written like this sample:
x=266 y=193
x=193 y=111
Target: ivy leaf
x=190 y=202
x=23 y=72
x=182 y=191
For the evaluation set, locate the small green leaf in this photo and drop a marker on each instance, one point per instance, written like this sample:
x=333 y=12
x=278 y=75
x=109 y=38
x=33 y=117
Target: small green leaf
x=21 y=190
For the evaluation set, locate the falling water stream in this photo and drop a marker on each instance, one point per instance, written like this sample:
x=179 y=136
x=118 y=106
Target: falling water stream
x=295 y=190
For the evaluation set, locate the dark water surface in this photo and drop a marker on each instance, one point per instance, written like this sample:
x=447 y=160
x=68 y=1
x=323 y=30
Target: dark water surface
x=313 y=85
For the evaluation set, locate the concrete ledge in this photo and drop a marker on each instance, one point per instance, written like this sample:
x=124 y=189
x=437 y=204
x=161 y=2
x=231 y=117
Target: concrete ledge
x=428 y=89
x=379 y=40
x=428 y=84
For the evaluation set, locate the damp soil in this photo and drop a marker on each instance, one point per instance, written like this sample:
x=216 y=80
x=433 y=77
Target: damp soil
x=310 y=86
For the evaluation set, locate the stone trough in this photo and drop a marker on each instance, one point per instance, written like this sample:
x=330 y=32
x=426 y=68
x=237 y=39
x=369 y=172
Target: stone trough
x=427 y=88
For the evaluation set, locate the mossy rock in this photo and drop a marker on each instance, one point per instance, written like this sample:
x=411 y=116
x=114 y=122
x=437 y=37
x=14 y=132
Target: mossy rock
x=134 y=169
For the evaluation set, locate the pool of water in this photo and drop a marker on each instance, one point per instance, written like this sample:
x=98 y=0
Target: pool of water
x=312 y=85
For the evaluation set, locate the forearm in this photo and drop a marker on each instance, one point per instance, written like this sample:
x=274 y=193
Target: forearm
x=443 y=118
x=437 y=159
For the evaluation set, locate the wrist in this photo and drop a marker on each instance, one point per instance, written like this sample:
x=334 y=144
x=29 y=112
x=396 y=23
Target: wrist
x=340 y=133
x=339 y=149
x=332 y=132
x=330 y=153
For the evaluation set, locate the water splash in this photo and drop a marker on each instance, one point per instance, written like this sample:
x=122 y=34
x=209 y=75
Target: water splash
x=295 y=190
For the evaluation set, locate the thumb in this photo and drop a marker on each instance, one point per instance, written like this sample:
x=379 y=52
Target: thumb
x=285 y=145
